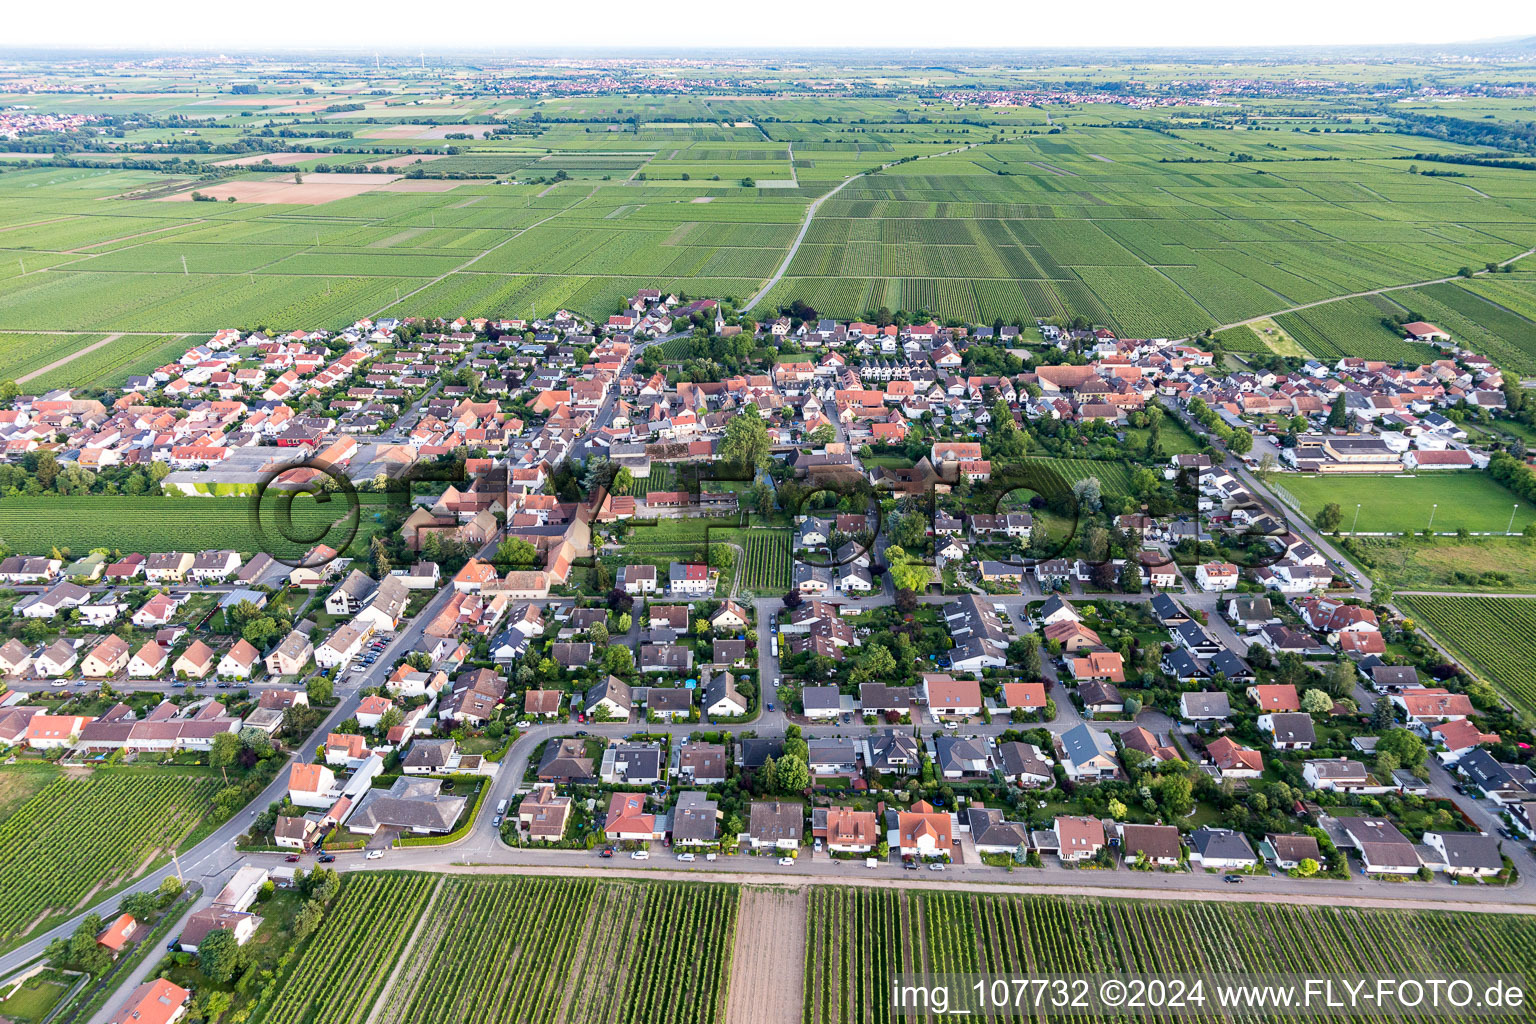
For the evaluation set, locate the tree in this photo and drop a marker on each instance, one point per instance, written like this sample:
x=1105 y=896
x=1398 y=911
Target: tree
x=1307 y=867
x=821 y=436
x=1240 y=442
x=1025 y=654
x=319 y=690
x=1132 y=706
x=1338 y=416
x=598 y=634
x=218 y=955
x=1088 y=491
x=1406 y=746
x=1130 y=576
x=516 y=551
x=1382 y=717
x=1330 y=517
x=1316 y=702
x=226 y=747
x=259 y=632
x=323 y=884
x=307 y=919
x=379 y=553
x=791 y=774
x=1339 y=680
x=746 y=439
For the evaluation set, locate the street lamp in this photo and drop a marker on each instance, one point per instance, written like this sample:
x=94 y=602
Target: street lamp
x=1357 y=518
x=1432 y=509
x=1511 y=527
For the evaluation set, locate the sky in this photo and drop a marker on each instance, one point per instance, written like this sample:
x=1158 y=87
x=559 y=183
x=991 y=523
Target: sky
x=366 y=25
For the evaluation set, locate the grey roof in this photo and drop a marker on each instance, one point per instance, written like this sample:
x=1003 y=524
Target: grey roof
x=1181 y=664
x=821 y=698
x=1023 y=759
x=694 y=818
x=1167 y=610
x=1084 y=743
x=428 y=754
x=754 y=752
x=1293 y=727
x=1221 y=843
x=612 y=688
x=1465 y=850
x=409 y=803
x=989 y=829
x=777 y=821
x=721 y=687
x=1206 y=704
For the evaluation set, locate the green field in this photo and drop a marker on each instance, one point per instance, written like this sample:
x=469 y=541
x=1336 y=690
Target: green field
x=503 y=949
x=146 y=524
x=768 y=567
x=859 y=939
x=1204 y=220
x=35 y=999
x=1402 y=504
x=1445 y=563
x=85 y=832
x=1495 y=635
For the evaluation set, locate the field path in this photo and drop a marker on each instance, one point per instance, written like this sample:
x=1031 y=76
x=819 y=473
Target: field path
x=768 y=964
x=67 y=359
x=1374 y=291
x=810 y=214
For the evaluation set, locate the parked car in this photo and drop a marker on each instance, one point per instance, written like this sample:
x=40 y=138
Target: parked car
x=606 y=851
x=327 y=858
x=1232 y=879
x=496 y=821
x=786 y=862
x=374 y=854
x=710 y=856
x=640 y=855
x=523 y=724
x=935 y=867
x=686 y=858
x=292 y=858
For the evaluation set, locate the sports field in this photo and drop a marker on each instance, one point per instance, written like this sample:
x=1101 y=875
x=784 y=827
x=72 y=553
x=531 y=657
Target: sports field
x=1403 y=504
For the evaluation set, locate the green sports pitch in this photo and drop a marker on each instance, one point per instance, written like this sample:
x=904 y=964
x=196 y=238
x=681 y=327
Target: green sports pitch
x=1408 y=504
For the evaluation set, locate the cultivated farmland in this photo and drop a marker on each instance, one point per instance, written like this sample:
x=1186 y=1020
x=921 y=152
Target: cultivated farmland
x=348 y=959
x=1496 y=635
x=83 y=832
x=495 y=950
x=858 y=939
x=82 y=522
x=767 y=566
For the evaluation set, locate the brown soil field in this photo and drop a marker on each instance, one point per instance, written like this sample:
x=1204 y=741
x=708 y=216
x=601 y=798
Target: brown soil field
x=401 y=161
x=312 y=191
x=768 y=978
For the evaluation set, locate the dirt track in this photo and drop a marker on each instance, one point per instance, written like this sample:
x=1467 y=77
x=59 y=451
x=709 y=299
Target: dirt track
x=768 y=964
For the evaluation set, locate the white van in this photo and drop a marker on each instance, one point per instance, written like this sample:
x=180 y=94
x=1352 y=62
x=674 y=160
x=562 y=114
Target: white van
x=501 y=808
